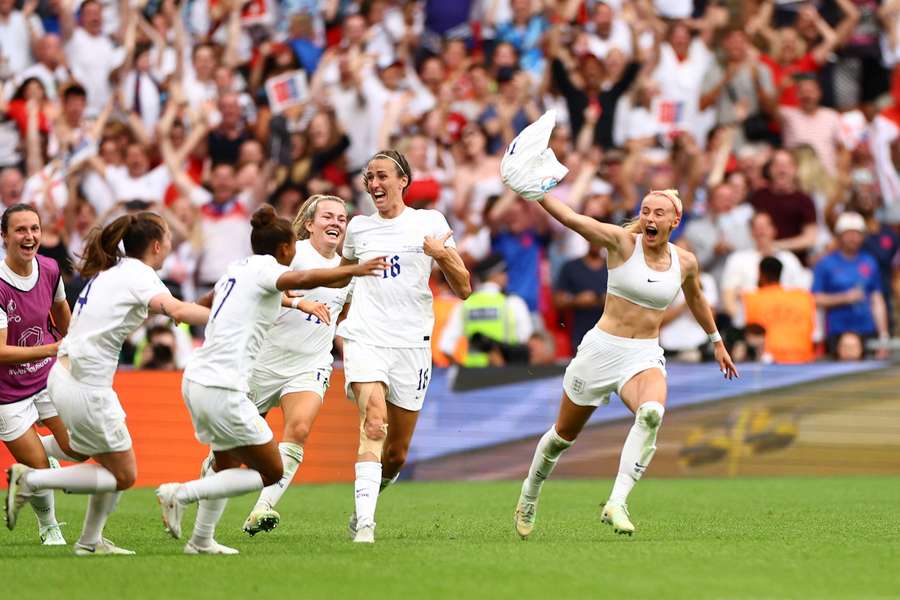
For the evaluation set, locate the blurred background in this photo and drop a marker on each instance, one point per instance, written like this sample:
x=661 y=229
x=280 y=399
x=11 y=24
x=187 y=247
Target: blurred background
x=778 y=123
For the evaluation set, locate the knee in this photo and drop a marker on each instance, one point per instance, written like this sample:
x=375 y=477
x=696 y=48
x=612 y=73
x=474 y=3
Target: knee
x=125 y=477
x=297 y=433
x=395 y=455
x=650 y=414
x=375 y=428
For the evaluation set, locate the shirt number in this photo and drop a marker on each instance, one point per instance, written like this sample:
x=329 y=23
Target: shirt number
x=83 y=297
x=424 y=374
x=394 y=269
x=230 y=285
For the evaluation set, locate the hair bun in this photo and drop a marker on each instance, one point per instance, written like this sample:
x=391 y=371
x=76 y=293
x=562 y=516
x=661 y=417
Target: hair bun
x=264 y=216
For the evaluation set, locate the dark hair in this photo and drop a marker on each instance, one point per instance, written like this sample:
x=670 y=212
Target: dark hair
x=20 y=91
x=136 y=232
x=74 y=90
x=269 y=231
x=400 y=164
x=770 y=269
x=15 y=208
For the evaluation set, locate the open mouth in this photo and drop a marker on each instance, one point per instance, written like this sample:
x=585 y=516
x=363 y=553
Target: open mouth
x=378 y=195
x=651 y=232
x=333 y=233
x=28 y=247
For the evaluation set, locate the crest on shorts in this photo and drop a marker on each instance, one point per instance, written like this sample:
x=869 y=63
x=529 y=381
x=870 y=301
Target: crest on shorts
x=577 y=385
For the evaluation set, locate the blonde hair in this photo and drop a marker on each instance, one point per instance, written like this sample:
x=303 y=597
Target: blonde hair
x=634 y=225
x=812 y=176
x=307 y=213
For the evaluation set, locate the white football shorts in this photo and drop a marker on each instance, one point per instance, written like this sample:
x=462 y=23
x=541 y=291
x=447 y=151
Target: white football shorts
x=604 y=363
x=405 y=371
x=92 y=415
x=267 y=388
x=224 y=419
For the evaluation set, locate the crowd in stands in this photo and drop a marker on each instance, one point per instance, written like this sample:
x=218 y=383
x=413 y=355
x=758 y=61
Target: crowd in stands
x=777 y=121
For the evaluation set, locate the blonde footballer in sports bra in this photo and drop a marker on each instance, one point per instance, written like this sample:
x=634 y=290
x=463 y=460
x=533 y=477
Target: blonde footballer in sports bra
x=622 y=353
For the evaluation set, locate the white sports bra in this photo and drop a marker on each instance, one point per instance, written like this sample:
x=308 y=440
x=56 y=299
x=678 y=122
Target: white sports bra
x=634 y=281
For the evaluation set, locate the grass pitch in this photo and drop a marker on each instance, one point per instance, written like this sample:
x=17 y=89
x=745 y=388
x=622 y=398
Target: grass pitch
x=696 y=539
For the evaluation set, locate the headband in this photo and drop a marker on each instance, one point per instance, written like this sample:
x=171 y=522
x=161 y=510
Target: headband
x=676 y=201
x=399 y=166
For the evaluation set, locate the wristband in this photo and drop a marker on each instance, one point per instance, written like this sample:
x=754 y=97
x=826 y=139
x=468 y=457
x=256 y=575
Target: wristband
x=295 y=302
x=715 y=337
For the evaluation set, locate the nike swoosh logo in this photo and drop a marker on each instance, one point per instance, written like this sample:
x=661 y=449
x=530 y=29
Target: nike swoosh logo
x=652 y=280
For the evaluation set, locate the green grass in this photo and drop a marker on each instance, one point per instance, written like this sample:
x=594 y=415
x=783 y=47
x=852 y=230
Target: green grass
x=745 y=538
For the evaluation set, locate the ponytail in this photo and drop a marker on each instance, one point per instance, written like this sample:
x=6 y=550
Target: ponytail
x=307 y=213
x=135 y=232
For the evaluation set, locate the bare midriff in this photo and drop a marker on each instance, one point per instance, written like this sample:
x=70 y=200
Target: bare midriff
x=626 y=319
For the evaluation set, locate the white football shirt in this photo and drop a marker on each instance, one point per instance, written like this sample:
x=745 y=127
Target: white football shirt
x=245 y=305
x=298 y=340
x=393 y=310
x=111 y=306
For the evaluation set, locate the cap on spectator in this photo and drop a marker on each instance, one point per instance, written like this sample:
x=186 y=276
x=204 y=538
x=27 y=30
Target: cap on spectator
x=850 y=221
x=490 y=266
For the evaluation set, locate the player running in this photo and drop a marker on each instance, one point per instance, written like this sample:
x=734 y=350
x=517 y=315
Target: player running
x=215 y=384
x=622 y=353
x=387 y=348
x=121 y=290
x=294 y=364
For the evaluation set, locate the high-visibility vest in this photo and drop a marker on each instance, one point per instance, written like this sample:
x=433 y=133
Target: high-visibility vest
x=487 y=313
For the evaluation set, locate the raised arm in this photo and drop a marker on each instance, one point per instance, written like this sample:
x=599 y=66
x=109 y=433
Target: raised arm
x=696 y=302
x=611 y=237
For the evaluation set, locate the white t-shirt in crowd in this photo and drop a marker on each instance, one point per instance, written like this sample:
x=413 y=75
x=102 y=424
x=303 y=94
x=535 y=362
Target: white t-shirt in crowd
x=25 y=284
x=226 y=236
x=680 y=82
x=299 y=340
x=394 y=310
x=110 y=307
x=150 y=187
x=245 y=305
x=619 y=37
x=52 y=80
x=91 y=60
x=15 y=40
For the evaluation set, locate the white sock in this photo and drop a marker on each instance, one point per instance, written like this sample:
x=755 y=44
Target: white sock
x=368 y=480
x=224 y=484
x=291 y=457
x=86 y=478
x=640 y=445
x=547 y=453
x=386 y=482
x=53 y=449
x=100 y=506
x=43 y=505
x=208 y=514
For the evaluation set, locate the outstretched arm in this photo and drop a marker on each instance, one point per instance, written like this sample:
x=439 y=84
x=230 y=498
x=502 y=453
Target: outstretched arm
x=611 y=237
x=336 y=277
x=696 y=302
x=14 y=355
x=181 y=312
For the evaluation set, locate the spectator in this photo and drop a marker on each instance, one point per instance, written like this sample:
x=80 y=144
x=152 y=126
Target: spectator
x=91 y=55
x=525 y=31
x=848 y=286
x=581 y=289
x=792 y=211
x=49 y=66
x=787 y=316
x=812 y=124
x=496 y=324
x=723 y=230
x=740 y=90
x=741 y=271
x=19 y=31
x=137 y=181
x=849 y=347
x=11 y=185
x=225 y=140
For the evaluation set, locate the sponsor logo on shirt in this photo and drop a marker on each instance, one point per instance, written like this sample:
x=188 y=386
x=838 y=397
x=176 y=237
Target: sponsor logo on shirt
x=10 y=309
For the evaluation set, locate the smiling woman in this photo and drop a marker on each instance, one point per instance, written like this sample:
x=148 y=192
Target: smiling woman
x=31 y=291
